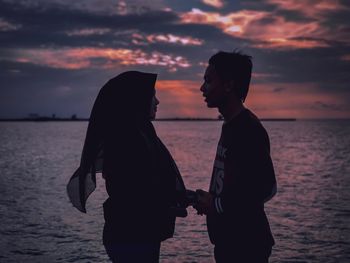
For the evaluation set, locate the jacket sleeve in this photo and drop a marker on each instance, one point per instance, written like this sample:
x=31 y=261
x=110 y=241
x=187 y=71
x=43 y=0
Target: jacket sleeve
x=249 y=178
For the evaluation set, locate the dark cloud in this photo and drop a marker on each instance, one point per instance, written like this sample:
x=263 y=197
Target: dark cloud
x=317 y=65
x=338 y=21
x=256 y=5
x=278 y=89
x=188 y=5
x=48 y=25
x=319 y=105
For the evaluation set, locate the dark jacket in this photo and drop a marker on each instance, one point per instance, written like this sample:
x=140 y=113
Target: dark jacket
x=243 y=179
x=141 y=183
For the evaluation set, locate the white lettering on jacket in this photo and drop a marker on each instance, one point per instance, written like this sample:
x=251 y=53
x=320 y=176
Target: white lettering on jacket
x=217 y=183
x=221 y=151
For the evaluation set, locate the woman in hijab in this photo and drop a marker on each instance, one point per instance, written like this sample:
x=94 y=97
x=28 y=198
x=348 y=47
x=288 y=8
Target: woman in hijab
x=145 y=188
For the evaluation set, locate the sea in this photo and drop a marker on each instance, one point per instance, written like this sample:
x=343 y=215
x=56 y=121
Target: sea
x=309 y=216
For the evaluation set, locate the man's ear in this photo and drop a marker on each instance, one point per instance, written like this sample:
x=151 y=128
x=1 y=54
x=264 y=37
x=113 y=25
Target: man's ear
x=229 y=86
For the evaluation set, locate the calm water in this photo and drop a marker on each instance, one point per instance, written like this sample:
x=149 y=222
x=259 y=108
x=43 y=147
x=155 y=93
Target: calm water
x=310 y=216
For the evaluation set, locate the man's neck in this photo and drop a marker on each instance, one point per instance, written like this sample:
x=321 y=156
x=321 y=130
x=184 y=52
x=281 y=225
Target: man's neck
x=231 y=110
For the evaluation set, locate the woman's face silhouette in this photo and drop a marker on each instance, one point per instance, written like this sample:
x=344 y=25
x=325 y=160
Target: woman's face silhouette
x=153 y=110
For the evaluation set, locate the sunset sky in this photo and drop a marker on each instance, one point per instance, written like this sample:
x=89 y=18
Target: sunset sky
x=55 y=55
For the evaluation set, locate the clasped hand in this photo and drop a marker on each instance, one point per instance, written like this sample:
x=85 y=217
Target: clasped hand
x=204 y=203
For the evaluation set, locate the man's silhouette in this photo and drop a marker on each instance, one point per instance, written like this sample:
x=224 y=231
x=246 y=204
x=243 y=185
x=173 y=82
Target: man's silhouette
x=243 y=177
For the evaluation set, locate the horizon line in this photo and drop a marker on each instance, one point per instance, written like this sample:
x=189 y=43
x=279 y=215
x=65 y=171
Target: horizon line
x=44 y=118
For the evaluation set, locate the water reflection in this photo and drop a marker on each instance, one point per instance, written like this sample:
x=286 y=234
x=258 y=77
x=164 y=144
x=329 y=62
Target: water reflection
x=310 y=216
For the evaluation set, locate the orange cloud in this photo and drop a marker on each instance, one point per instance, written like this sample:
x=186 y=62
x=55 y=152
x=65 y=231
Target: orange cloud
x=252 y=25
x=233 y=23
x=77 y=58
x=282 y=43
x=214 y=3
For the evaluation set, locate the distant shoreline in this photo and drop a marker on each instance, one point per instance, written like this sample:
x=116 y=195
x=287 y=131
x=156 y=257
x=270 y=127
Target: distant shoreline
x=46 y=119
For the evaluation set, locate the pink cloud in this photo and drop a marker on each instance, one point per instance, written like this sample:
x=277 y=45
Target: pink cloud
x=139 y=39
x=251 y=25
x=7 y=26
x=283 y=43
x=311 y=8
x=77 y=58
x=214 y=3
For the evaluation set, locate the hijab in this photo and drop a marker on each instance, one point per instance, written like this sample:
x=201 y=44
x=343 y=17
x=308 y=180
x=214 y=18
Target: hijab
x=122 y=104
x=125 y=99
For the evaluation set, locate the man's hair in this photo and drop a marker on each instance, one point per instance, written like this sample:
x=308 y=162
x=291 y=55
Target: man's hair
x=234 y=66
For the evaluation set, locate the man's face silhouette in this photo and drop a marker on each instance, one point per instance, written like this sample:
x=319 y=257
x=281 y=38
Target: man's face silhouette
x=213 y=88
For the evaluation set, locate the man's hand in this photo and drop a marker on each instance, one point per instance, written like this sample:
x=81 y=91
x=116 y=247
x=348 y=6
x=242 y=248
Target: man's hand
x=205 y=203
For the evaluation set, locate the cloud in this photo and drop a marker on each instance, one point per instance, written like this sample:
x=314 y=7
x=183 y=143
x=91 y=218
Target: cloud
x=95 y=29
x=139 y=39
x=80 y=58
x=345 y=57
x=292 y=43
x=319 y=65
x=39 y=89
x=320 y=105
x=7 y=26
x=278 y=89
x=88 y=31
x=310 y=8
x=52 y=18
x=60 y=49
x=263 y=29
x=95 y=6
x=214 y=3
